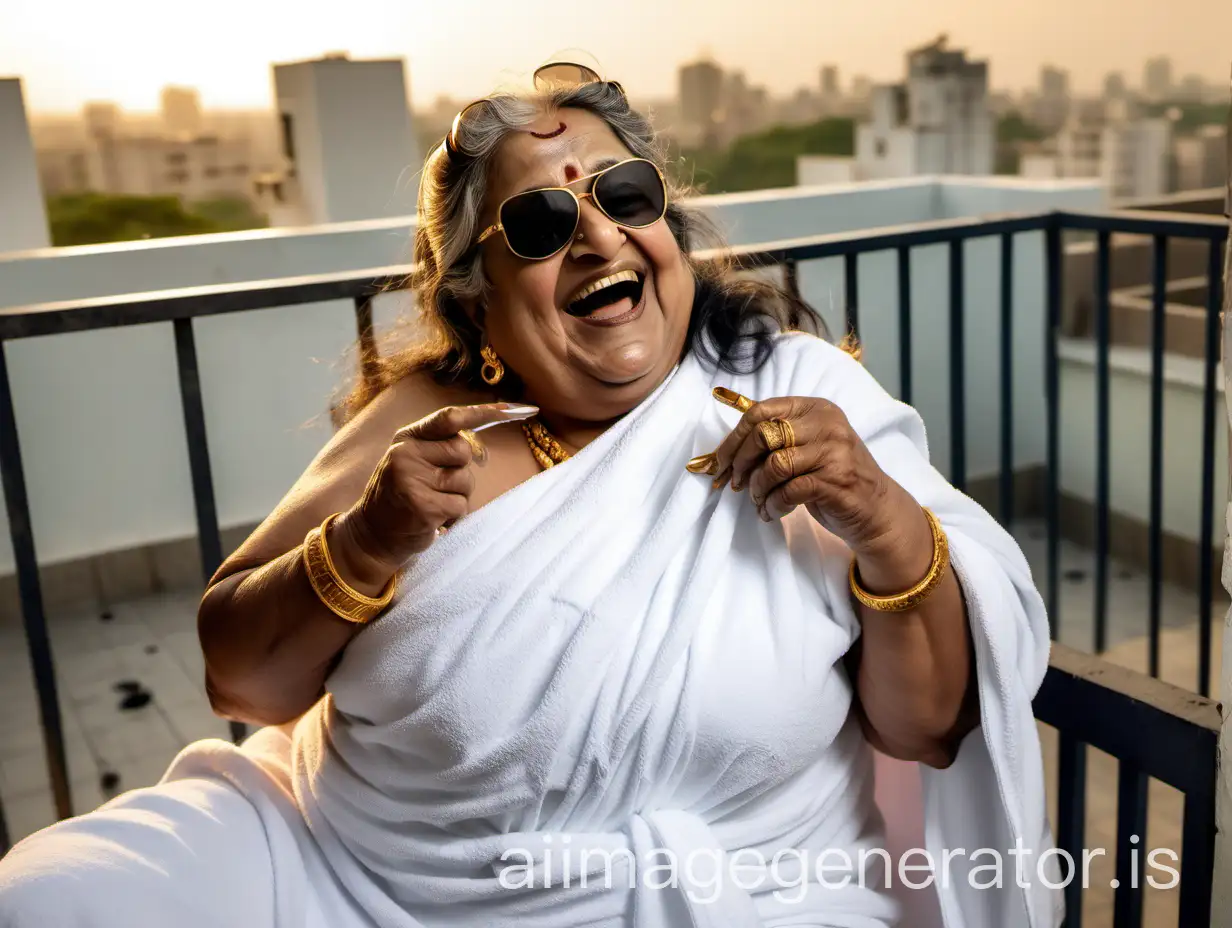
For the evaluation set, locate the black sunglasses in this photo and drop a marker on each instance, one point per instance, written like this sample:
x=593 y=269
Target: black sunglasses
x=539 y=223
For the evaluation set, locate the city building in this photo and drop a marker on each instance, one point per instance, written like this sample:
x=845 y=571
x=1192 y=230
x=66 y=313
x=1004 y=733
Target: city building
x=1193 y=89
x=1079 y=150
x=181 y=110
x=191 y=168
x=1051 y=108
x=701 y=87
x=349 y=145
x=1131 y=157
x=25 y=218
x=1115 y=87
x=831 y=90
x=1157 y=79
x=1201 y=159
x=101 y=118
x=1135 y=158
x=937 y=122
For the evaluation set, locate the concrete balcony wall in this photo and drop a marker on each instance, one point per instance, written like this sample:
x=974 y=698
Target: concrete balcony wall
x=99 y=416
x=1129 y=430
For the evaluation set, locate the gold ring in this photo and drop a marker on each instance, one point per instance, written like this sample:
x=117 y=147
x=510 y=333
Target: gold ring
x=773 y=434
x=789 y=434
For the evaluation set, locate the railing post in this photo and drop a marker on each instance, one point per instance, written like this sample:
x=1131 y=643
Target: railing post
x=1221 y=900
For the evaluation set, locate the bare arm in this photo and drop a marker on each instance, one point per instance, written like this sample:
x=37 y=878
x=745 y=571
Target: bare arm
x=914 y=669
x=269 y=642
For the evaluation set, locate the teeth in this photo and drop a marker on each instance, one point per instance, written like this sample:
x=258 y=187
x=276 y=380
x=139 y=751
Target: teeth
x=618 y=278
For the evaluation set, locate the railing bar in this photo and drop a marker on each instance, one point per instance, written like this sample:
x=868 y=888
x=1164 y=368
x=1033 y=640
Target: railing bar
x=1130 y=847
x=1197 y=869
x=791 y=277
x=904 y=324
x=1159 y=279
x=34 y=619
x=208 y=534
x=1052 y=389
x=367 y=339
x=1071 y=815
x=1007 y=379
x=958 y=364
x=851 y=292
x=1214 y=306
x=1102 y=438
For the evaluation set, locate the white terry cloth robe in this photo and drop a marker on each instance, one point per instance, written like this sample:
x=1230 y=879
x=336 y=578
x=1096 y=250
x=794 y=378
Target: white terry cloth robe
x=612 y=696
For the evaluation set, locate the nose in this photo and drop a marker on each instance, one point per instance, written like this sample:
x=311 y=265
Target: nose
x=596 y=237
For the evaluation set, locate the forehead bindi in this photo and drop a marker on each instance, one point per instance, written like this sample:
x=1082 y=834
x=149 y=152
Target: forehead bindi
x=544 y=154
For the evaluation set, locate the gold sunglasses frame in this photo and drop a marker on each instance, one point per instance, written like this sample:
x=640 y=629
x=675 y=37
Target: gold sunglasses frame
x=578 y=198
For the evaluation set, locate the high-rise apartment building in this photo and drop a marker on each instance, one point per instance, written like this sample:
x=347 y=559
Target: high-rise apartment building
x=936 y=122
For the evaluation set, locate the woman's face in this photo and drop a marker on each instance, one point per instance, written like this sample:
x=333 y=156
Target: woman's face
x=583 y=361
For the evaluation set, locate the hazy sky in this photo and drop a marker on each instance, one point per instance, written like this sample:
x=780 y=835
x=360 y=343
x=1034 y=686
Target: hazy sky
x=69 y=51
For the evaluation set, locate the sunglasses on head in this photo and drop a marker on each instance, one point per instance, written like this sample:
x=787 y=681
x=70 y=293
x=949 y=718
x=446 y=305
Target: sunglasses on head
x=556 y=75
x=538 y=223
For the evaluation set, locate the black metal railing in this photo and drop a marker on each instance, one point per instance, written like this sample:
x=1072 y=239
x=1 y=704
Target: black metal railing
x=1134 y=718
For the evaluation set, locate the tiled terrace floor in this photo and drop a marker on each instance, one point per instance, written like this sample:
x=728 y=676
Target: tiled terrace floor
x=153 y=642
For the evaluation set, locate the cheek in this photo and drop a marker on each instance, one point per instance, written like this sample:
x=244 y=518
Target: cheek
x=529 y=289
x=671 y=271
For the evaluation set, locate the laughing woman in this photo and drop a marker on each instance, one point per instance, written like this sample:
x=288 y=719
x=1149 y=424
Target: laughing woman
x=596 y=612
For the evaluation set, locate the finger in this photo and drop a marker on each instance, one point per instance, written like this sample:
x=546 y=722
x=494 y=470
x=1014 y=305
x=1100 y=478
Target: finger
x=452 y=452
x=756 y=445
x=758 y=412
x=454 y=480
x=785 y=497
x=777 y=468
x=450 y=420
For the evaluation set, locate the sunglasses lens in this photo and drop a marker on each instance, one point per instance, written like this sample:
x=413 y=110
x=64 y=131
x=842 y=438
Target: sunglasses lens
x=564 y=74
x=538 y=223
x=632 y=193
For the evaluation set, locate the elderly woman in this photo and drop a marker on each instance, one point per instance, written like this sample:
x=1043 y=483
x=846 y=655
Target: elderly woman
x=597 y=611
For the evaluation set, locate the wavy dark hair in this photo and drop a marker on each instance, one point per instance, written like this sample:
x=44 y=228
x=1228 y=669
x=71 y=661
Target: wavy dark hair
x=734 y=317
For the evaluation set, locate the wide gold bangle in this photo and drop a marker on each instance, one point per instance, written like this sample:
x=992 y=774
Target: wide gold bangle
x=908 y=599
x=339 y=596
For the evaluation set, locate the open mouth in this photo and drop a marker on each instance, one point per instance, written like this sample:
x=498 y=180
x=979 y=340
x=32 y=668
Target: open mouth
x=609 y=298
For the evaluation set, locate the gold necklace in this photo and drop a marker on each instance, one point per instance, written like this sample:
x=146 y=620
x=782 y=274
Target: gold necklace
x=546 y=449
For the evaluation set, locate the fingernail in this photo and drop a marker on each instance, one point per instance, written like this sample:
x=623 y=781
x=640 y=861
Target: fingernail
x=518 y=410
x=732 y=398
x=737 y=485
x=721 y=479
x=704 y=464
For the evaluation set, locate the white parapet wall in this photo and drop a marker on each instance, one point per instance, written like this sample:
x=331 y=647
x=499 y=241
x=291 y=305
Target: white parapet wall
x=99 y=415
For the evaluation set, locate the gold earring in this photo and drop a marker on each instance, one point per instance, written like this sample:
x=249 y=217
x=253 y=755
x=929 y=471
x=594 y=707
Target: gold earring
x=493 y=370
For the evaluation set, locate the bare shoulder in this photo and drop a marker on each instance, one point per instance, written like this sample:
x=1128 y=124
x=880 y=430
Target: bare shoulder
x=336 y=477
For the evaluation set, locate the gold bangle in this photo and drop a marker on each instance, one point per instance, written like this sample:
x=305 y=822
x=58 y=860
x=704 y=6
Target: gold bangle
x=909 y=599
x=338 y=595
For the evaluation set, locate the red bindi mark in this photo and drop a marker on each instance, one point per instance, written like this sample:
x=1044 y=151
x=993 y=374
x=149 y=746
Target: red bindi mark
x=550 y=135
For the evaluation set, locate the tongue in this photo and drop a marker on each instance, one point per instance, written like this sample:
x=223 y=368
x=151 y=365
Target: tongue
x=611 y=310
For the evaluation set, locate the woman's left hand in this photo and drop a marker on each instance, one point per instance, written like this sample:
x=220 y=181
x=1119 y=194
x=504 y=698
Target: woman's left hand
x=817 y=461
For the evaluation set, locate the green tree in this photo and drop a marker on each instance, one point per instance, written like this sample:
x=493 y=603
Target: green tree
x=1191 y=116
x=764 y=159
x=1013 y=131
x=230 y=214
x=87 y=218
x=90 y=218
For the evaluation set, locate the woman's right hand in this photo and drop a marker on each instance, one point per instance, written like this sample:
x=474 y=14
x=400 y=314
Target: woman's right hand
x=422 y=484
